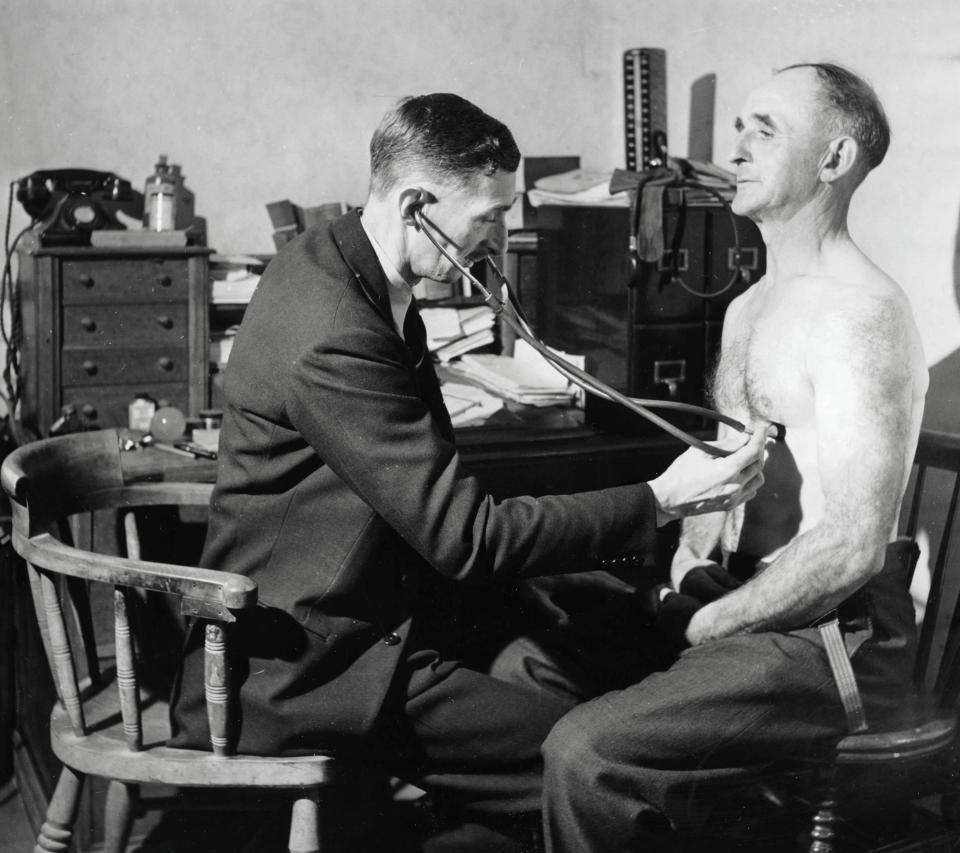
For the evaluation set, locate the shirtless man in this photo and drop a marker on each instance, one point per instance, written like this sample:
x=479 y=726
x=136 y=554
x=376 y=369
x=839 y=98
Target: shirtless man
x=825 y=346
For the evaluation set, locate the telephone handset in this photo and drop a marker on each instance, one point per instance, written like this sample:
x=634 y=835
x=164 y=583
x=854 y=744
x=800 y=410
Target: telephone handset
x=67 y=204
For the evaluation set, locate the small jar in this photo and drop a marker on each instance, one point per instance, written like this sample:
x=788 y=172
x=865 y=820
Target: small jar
x=141 y=411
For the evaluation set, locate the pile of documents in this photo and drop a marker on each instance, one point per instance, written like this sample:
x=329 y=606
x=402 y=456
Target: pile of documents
x=525 y=377
x=454 y=331
x=468 y=404
x=591 y=187
x=233 y=278
x=577 y=187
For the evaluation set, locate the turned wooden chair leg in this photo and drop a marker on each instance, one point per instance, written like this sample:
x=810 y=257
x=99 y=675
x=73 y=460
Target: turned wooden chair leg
x=823 y=832
x=305 y=823
x=118 y=815
x=57 y=830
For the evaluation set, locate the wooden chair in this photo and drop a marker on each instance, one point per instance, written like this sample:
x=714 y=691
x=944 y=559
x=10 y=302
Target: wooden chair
x=878 y=771
x=113 y=724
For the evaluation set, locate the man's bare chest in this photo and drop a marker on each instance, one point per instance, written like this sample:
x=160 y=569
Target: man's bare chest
x=761 y=374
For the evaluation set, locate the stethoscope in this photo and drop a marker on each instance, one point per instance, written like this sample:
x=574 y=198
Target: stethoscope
x=510 y=310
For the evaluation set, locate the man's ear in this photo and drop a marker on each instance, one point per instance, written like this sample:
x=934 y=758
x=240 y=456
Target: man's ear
x=412 y=199
x=840 y=159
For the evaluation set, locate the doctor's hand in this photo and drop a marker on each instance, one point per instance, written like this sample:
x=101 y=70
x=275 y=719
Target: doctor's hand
x=697 y=483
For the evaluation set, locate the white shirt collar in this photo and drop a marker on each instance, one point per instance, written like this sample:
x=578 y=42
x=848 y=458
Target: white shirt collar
x=399 y=291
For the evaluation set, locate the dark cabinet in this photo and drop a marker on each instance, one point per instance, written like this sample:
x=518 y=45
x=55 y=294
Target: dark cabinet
x=650 y=329
x=101 y=325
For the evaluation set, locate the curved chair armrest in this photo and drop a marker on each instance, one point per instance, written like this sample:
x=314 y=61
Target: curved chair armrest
x=204 y=592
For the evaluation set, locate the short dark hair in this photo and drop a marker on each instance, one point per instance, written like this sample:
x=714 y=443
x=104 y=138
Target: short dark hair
x=855 y=107
x=444 y=135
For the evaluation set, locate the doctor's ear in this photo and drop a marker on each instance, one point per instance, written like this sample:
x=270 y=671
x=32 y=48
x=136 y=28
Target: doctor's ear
x=411 y=200
x=840 y=158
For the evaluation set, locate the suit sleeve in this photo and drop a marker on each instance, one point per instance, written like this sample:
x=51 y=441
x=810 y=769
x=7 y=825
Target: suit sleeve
x=355 y=400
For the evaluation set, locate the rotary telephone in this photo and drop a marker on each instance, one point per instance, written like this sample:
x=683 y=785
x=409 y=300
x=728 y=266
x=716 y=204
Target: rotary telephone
x=67 y=204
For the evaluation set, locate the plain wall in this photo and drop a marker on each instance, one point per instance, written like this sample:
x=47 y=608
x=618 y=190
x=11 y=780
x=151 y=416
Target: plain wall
x=271 y=100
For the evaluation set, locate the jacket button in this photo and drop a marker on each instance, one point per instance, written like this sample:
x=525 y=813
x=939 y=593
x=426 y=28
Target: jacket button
x=392 y=639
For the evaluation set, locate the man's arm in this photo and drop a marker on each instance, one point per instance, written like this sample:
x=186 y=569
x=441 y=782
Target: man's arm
x=863 y=368
x=699 y=534
x=697 y=546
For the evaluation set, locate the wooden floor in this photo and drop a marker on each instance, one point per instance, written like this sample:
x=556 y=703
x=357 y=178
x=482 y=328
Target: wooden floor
x=16 y=835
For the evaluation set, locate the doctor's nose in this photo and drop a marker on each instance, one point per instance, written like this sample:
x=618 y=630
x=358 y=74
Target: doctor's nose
x=496 y=241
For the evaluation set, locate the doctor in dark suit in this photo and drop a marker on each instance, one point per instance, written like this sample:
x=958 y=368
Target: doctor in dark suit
x=341 y=492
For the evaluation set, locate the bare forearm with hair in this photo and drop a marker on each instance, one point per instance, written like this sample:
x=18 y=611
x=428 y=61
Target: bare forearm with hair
x=819 y=570
x=699 y=538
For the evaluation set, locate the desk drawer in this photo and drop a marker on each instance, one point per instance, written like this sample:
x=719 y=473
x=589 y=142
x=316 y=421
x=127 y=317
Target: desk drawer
x=150 y=280
x=105 y=325
x=120 y=365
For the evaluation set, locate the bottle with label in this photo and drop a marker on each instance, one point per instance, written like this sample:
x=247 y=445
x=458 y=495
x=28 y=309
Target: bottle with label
x=141 y=411
x=168 y=204
x=160 y=198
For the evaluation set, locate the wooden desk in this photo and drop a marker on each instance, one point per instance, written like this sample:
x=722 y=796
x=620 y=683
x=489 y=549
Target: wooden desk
x=550 y=451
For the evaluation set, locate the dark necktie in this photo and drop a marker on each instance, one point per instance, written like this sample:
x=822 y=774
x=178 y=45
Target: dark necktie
x=415 y=333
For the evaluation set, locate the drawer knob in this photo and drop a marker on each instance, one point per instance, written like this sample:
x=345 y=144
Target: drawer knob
x=86 y=280
x=89 y=412
x=90 y=367
x=164 y=280
x=165 y=363
x=164 y=321
x=88 y=324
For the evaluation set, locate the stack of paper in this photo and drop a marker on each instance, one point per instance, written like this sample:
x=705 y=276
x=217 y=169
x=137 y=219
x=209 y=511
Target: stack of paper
x=454 y=331
x=468 y=404
x=577 y=187
x=233 y=278
x=525 y=377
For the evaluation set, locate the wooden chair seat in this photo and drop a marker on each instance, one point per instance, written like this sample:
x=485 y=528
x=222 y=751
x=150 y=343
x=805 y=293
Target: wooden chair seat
x=926 y=738
x=105 y=748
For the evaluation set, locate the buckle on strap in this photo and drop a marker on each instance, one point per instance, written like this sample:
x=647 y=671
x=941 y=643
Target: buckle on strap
x=843 y=675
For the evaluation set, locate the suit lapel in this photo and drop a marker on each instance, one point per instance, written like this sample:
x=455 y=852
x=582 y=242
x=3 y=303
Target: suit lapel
x=362 y=261
x=358 y=255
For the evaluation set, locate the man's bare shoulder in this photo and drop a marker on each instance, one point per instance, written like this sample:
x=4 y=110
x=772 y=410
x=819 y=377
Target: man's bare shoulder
x=864 y=324
x=863 y=305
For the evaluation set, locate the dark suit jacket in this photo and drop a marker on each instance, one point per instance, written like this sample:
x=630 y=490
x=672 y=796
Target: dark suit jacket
x=341 y=492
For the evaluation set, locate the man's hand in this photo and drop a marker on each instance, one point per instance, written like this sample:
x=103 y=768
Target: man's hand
x=707 y=582
x=697 y=483
x=668 y=613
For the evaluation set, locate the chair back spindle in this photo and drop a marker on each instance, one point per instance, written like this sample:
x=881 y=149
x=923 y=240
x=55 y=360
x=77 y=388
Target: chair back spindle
x=57 y=642
x=127 y=687
x=936 y=498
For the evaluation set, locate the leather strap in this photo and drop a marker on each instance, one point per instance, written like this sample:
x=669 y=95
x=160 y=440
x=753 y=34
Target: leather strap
x=843 y=673
x=650 y=241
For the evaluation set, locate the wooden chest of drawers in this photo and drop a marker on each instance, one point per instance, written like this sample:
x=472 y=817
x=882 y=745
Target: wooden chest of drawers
x=100 y=325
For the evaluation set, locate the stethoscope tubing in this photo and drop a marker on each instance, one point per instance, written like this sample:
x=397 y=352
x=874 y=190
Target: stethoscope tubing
x=507 y=308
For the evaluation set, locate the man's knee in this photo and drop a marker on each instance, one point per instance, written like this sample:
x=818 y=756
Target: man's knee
x=575 y=751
